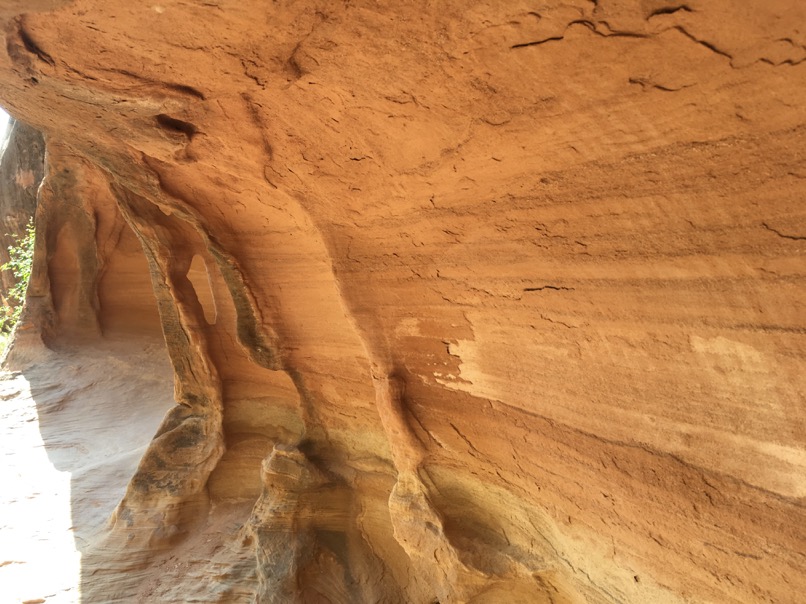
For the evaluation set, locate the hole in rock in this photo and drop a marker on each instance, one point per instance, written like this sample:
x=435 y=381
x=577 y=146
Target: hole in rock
x=200 y=279
x=174 y=125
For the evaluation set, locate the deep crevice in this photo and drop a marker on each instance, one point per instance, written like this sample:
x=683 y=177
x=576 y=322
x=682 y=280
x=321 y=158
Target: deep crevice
x=704 y=43
x=783 y=235
x=178 y=126
x=669 y=10
x=32 y=47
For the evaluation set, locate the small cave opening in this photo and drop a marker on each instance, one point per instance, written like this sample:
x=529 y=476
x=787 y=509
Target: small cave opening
x=177 y=126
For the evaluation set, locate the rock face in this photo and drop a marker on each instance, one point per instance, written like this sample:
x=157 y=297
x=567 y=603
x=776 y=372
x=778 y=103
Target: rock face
x=464 y=302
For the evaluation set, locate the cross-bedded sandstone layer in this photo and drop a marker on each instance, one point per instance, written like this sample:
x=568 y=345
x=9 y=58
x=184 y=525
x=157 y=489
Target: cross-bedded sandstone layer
x=465 y=302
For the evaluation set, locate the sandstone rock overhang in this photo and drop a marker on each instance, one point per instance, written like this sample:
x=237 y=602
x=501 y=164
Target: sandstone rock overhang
x=464 y=302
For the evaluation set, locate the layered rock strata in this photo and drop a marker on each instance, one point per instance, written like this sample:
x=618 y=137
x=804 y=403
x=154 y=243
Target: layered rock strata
x=500 y=302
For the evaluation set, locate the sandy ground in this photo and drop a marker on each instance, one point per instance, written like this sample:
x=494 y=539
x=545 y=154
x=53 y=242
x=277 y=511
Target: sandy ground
x=73 y=426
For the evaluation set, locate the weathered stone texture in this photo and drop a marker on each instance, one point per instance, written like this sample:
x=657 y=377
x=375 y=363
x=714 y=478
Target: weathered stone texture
x=465 y=302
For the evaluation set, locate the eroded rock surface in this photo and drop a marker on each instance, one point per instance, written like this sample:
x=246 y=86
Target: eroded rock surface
x=464 y=302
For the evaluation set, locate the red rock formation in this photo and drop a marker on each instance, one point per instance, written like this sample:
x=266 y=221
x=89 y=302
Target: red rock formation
x=489 y=302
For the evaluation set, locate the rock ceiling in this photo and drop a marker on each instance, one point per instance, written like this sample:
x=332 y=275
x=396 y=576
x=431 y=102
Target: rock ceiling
x=464 y=302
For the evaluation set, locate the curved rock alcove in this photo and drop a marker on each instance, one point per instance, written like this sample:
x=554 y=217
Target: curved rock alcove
x=417 y=301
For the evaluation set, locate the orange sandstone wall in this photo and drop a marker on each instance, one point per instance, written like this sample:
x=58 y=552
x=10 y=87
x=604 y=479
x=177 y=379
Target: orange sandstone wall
x=466 y=302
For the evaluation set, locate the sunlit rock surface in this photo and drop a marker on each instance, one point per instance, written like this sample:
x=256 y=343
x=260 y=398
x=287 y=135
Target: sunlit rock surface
x=414 y=301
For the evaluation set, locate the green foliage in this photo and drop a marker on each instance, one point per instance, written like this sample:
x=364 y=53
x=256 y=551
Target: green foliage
x=22 y=258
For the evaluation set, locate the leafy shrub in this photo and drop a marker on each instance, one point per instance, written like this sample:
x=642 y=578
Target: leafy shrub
x=22 y=257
